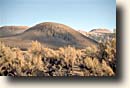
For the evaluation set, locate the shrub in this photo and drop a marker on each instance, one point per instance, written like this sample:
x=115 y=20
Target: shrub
x=65 y=61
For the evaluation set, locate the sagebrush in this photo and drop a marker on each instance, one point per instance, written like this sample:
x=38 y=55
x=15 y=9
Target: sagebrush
x=65 y=61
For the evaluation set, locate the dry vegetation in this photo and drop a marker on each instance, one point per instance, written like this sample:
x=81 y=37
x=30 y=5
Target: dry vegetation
x=66 y=61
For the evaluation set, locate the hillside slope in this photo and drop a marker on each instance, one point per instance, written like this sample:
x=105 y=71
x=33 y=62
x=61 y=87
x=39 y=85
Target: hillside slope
x=11 y=30
x=54 y=35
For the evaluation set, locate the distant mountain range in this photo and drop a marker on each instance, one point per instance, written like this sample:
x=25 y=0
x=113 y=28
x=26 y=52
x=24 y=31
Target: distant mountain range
x=11 y=30
x=49 y=34
x=99 y=35
x=100 y=31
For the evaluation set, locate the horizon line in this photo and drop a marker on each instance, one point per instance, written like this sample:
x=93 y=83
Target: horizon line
x=111 y=29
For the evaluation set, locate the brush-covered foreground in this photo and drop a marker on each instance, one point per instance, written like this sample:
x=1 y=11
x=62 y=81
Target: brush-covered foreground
x=66 y=61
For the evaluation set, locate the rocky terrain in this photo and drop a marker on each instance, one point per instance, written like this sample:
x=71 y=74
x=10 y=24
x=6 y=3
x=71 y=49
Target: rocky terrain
x=99 y=35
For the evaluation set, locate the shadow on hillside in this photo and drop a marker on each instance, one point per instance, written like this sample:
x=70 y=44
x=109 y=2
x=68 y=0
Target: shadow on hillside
x=117 y=78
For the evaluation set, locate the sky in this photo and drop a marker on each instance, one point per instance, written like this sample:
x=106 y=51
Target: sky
x=78 y=14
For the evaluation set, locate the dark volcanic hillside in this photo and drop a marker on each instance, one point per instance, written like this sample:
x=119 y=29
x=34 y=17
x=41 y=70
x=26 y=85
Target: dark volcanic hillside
x=55 y=35
x=11 y=30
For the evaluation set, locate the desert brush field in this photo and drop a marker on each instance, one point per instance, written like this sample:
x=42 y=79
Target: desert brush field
x=38 y=60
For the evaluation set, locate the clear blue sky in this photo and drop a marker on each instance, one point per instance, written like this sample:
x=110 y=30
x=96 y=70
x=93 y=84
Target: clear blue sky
x=79 y=14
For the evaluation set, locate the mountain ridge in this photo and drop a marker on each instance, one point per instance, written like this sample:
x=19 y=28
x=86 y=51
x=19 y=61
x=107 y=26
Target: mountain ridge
x=11 y=30
x=55 y=35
